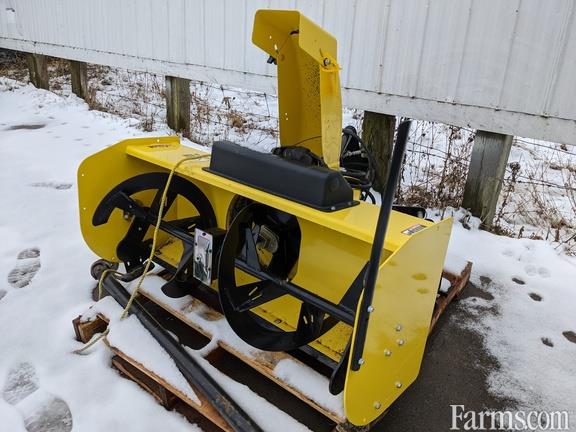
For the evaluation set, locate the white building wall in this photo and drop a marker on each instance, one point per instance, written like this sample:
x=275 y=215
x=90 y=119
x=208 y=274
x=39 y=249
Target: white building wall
x=501 y=65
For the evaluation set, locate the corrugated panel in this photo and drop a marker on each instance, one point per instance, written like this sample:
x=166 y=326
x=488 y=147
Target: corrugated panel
x=506 y=66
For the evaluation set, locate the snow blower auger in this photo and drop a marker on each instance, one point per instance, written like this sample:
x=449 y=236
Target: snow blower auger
x=298 y=260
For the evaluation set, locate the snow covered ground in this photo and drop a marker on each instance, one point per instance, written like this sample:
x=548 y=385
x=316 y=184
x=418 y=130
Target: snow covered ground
x=529 y=324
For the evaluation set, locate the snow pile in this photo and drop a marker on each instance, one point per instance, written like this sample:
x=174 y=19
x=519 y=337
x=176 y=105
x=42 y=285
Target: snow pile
x=132 y=339
x=310 y=383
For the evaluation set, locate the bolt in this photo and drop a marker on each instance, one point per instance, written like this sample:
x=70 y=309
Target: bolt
x=400 y=342
x=398 y=327
x=398 y=384
x=377 y=405
x=327 y=62
x=387 y=352
x=370 y=309
x=361 y=361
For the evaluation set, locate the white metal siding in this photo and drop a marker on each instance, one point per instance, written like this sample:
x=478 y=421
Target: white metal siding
x=505 y=66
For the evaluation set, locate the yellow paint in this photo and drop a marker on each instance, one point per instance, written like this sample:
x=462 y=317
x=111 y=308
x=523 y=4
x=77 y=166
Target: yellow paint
x=403 y=303
x=334 y=246
x=309 y=101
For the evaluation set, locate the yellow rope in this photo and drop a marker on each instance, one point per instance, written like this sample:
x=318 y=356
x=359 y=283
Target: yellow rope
x=150 y=257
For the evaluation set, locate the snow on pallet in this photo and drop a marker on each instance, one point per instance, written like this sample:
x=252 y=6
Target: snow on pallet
x=289 y=373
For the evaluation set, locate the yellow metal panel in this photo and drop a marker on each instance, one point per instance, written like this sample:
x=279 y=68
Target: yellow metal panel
x=398 y=328
x=310 y=106
x=98 y=175
x=357 y=222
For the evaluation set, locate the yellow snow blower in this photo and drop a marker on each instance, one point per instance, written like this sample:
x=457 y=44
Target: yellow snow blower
x=287 y=240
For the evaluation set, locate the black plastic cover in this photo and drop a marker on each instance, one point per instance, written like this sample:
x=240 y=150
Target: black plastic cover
x=318 y=187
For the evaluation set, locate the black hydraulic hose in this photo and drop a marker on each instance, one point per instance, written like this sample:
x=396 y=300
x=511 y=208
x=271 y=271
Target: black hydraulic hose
x=192 y=371
x=378 y=244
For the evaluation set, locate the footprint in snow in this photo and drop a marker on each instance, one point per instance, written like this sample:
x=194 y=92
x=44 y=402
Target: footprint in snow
x=29 y=253
x=570 y=335
x=52 y=185
x=2 y=294
x=547 y=341
x=532 y=270
x=535 y=297
x=20 y=383
x=544 y=272
x=26 y=127
x=40 y=410
x=25 y=269
x=518 y=280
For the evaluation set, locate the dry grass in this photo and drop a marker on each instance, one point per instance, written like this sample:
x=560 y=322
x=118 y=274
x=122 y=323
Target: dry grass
x=13 y=65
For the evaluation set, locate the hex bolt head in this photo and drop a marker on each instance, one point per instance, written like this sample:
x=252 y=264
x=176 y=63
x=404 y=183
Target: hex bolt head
x=398 y=327
x=361 y=361
x=377 y=405
x=401 y=342
x=327 y=62
x=387 y=352
x=398 y=384
x=370 y=309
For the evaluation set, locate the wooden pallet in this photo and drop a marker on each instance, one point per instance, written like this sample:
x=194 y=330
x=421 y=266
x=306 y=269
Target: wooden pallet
x=457 y=284
x=262 y=362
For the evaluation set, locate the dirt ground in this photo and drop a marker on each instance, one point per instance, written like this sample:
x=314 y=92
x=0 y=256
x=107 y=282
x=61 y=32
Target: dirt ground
x=454 y=372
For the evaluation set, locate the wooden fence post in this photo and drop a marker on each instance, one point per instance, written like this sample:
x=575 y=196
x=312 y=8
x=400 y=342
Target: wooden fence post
x=378 y=135
x=486 y=173
x=178 y=104
x=79 y=78
x=38 y=70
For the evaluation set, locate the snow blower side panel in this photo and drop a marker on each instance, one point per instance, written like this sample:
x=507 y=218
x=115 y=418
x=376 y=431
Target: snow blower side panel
x=398 y=328
x=97 y=176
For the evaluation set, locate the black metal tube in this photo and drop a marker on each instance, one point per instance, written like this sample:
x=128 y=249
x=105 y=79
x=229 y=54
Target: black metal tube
x=339 y=312
x=378 y=244
x=192 y=371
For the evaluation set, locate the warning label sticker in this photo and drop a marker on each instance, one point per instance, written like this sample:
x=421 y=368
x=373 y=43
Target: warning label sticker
x=413 y=229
